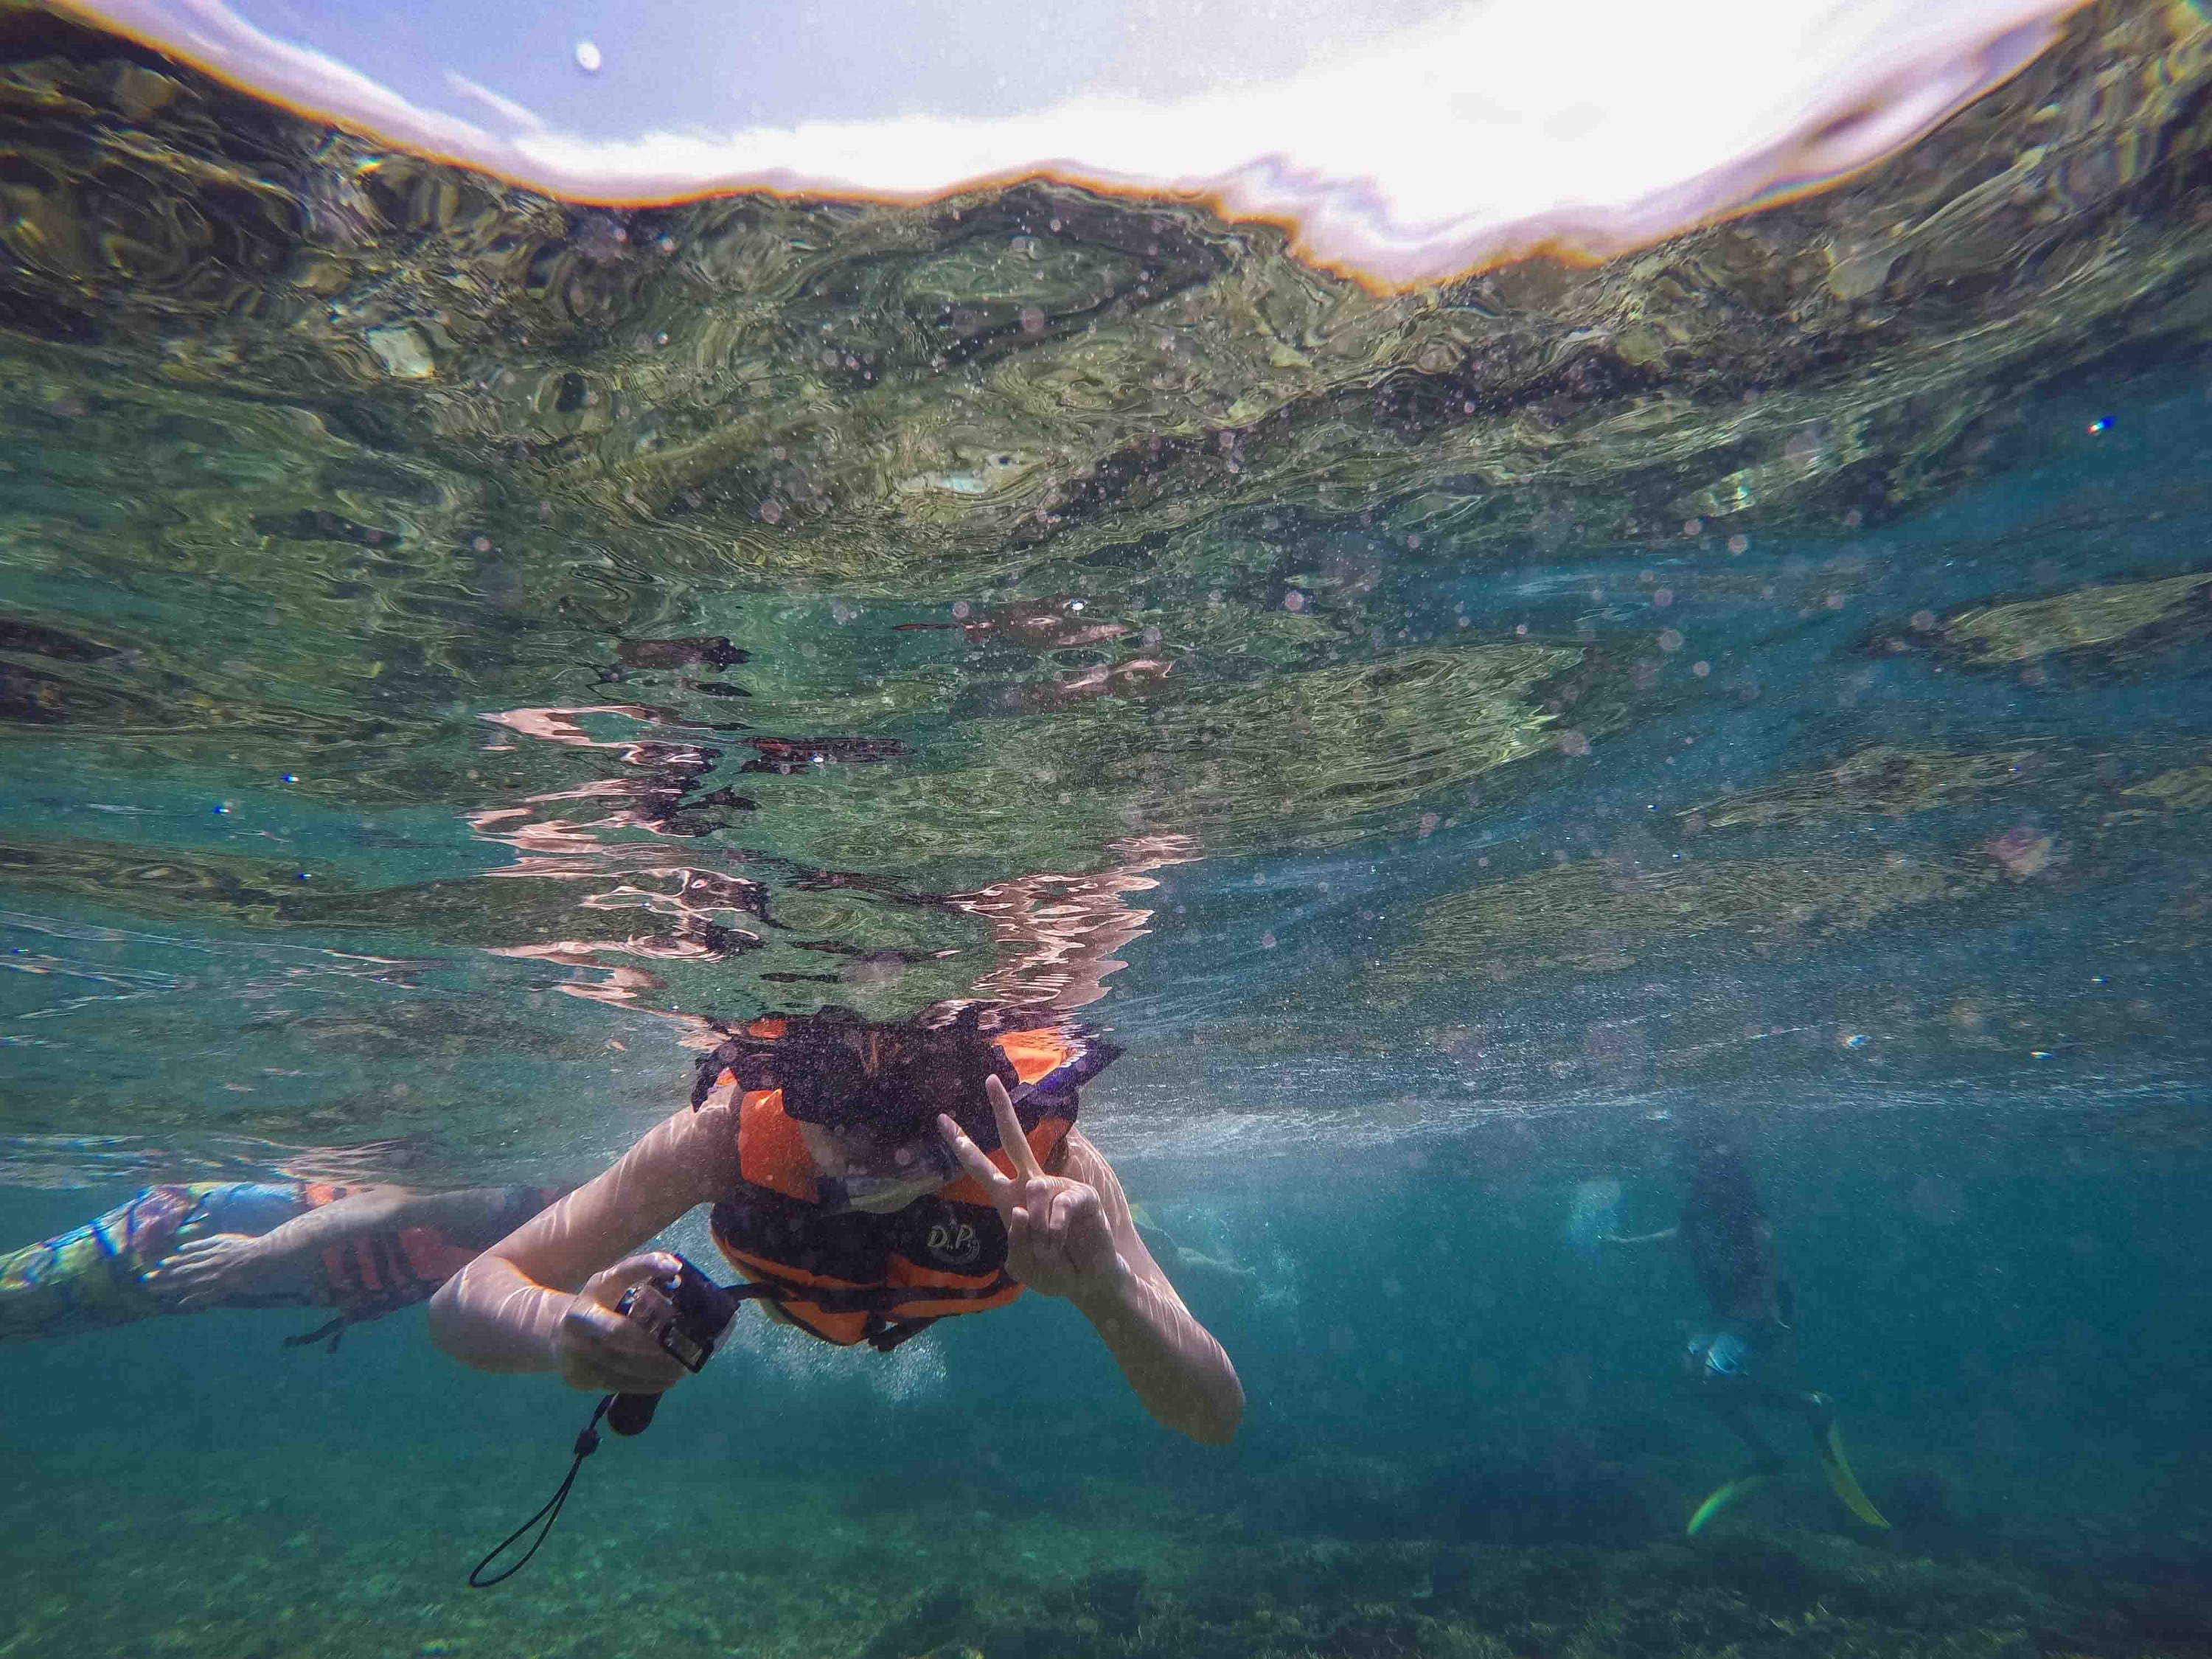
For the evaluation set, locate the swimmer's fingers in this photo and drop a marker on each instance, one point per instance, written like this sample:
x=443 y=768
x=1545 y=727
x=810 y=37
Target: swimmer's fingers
x=1004 y=1193
x=596 y=1348
x=197 y=1272
x=1046 y=1233
x=606 y=1287
x=1057 y=1239
x=1012 y=1136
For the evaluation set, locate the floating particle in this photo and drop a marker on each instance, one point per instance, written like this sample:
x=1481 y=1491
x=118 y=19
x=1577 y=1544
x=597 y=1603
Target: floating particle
x=1739 y=543
x=291 y=777
x=1266 y=941
x=2102 y=423
x=1670 y=639
x=1294 y=600
x=1574 y=743
x=1692 y=526
x=1855 y=1040
x=1662 y=598
x=1701 y=668
x=588 y=59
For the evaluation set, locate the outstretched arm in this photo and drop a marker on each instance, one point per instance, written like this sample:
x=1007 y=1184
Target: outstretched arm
x=1660 y=1237
x=1177 y=1368
x=1072 y=1235
x=543 y=1299
x=204 y=1271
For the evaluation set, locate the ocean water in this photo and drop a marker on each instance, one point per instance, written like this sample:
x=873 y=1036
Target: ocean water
x=1464 y=738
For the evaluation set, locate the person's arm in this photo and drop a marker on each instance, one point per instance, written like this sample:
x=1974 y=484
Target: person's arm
x=543 y=1297
x=1178 y=1369
x=206 y=1270
x=1071 y=1236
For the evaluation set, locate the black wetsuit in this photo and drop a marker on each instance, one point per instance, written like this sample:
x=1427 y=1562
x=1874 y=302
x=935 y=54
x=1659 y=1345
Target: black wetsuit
x=1731 y=1242
x=1733 y=1254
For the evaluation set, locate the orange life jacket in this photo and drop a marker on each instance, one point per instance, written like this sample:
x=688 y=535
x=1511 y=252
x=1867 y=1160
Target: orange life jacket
x=375 y=1273
x=389 y=1270
x=852 y=1276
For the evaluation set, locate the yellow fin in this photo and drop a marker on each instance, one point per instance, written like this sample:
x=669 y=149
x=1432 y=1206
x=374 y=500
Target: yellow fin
x=1845 y=1483
x=1721 y=1498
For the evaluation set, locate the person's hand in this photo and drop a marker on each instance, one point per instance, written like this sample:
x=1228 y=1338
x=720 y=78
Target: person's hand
x=201 y=1273
x=602 y=1352
x=1058 y=1242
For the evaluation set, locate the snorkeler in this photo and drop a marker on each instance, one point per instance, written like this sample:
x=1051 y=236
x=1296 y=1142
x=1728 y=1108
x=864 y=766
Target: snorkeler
x=867 y=1180
x=362 y=1251
x=1732 y=1252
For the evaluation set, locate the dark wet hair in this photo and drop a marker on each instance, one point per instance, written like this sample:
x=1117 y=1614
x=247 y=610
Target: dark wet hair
x=840 y=1070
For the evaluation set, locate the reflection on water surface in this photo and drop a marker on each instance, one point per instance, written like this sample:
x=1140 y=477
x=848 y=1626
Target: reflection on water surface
x=734 y=606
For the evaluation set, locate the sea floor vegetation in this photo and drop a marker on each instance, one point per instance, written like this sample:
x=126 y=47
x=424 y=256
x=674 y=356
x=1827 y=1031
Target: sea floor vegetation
x=1042 y=1567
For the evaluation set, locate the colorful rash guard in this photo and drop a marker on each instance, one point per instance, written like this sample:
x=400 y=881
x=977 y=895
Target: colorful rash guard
x=94 y=1275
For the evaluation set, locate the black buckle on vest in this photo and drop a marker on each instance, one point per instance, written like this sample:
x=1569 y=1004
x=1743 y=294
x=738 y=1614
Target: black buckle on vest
x=884 y=1335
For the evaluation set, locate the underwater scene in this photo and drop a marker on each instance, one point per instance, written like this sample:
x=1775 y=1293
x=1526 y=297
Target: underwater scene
x=1391 y=907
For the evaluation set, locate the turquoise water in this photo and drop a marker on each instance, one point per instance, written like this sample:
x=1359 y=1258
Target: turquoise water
x=461 y=651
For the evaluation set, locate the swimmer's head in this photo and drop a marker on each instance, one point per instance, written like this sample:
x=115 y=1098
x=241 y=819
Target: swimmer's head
x=869 y=1083
x=1707 y=1150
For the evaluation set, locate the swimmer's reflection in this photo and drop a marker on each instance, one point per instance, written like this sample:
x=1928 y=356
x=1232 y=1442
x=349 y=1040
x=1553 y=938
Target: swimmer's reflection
x=865 y=1180
x=362 y=1251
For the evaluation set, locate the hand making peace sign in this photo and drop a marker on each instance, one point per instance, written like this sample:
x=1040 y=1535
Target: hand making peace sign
x=1059 y=1241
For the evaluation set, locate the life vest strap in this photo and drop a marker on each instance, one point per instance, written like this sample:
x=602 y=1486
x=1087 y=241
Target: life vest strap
x=883 y=1300
x=335 y=1330
x=884 y=1335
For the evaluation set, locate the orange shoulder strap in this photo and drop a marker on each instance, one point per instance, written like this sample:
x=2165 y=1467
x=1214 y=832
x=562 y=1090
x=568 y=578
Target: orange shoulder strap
x=771 y=1152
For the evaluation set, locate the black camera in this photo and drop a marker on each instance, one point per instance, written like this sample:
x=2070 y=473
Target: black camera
x=685 y=1312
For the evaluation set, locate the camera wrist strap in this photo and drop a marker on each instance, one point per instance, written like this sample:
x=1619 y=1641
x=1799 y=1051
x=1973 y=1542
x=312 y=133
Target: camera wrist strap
x=586 y=1443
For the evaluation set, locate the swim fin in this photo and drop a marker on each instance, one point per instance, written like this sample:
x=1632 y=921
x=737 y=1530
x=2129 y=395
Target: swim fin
x=1830 y=1444
x=1722 y=1497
